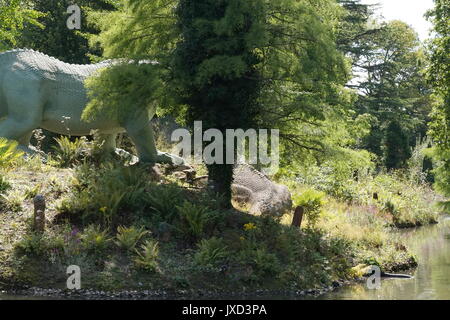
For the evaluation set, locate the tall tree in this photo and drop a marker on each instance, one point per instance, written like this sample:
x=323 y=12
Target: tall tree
x=355 y=27
x=393 y=90
x=439 y=75
x=216 y=72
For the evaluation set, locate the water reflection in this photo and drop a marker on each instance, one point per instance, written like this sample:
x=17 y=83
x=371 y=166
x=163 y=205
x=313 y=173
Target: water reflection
x=431 y=279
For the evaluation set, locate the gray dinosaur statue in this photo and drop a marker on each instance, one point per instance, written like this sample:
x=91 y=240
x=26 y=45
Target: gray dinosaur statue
x=263 y=196
x=38 y=91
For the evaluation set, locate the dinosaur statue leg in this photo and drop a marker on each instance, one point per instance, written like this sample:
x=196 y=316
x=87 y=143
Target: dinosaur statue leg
x=17 y=130
x=108 y=142
x=24 y=112
x=144 y=141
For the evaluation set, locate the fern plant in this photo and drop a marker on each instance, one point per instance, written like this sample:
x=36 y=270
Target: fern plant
x=95 y=240
x=148 y=258
x=8 y=153
x=164 y=200
x=193 y=219
x=313 y=202
x=210 y=252
x=127 y=238
x=69 y=152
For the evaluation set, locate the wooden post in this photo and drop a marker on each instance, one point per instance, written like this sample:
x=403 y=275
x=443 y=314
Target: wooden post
x=39 y=214
x=298 y=216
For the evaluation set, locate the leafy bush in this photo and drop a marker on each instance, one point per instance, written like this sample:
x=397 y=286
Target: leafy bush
x=100 y=195
x=211 y=253
x=261 y=262
x=312 y=201
x=127 y=238
x=147 y=259
x=32 y=244
x=164 y=199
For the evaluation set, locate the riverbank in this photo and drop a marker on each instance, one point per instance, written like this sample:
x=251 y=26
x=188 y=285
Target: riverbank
x=128 y=230
x=431 y=279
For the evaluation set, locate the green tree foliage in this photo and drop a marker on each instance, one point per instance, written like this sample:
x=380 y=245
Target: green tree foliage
x=393 y=90
x=235 y=64
x=56 y=39
x=221 y=83
x=355 y=27
x=439 y=74
x=14 y=15
x=396 y=146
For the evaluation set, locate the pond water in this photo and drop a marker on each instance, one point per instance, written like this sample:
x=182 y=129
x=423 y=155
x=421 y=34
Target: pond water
x=431 y=279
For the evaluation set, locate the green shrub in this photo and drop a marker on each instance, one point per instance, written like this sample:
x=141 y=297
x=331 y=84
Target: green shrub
x=262 y=264
x=95 y=240
x=147 y=259
x=312 y=201
x=211 y=253
x=99 y=195
x=163 y=200
x=127 y=238
x=32 y=244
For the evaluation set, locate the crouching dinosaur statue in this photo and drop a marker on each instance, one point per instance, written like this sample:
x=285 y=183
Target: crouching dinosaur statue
x=38 y=91
x=259 y=193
